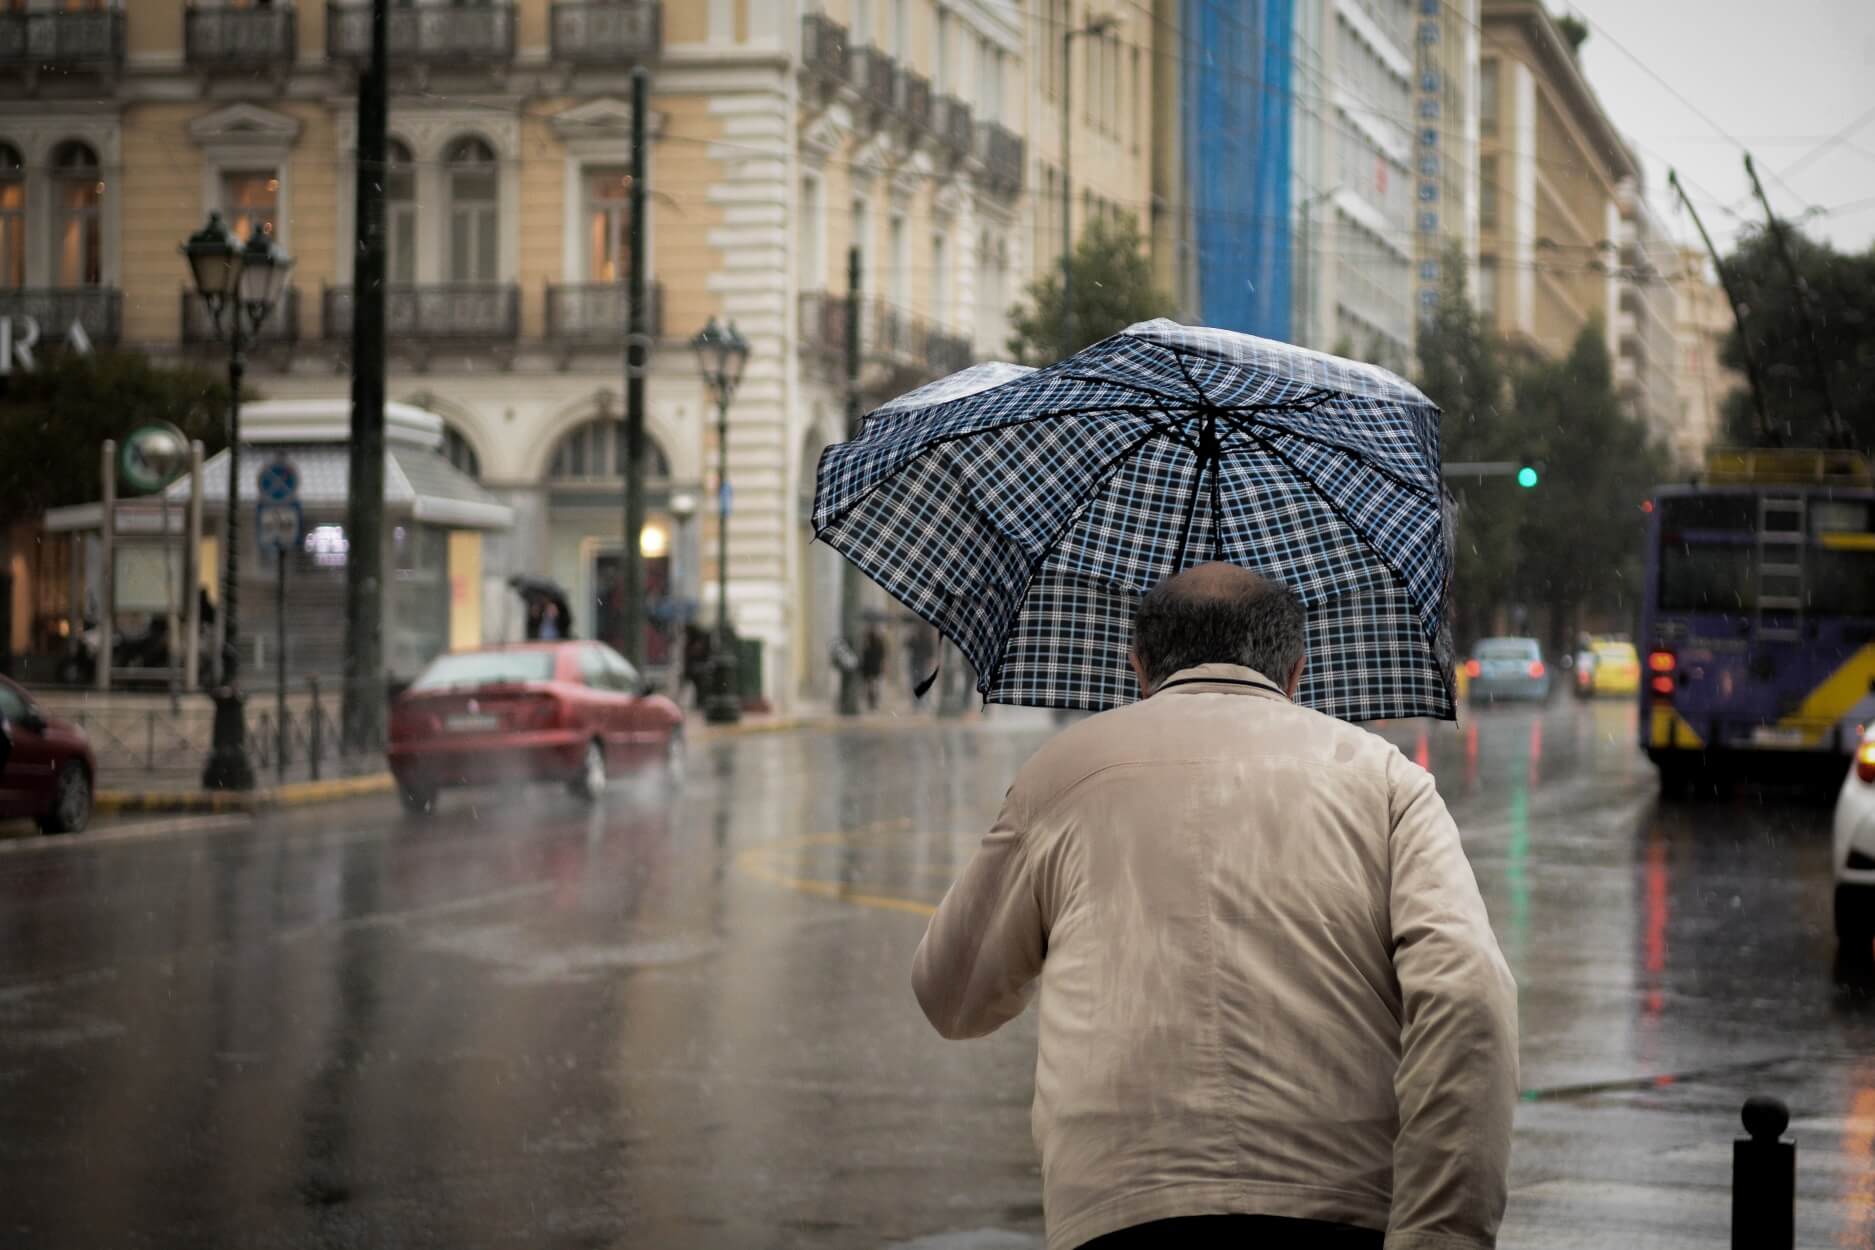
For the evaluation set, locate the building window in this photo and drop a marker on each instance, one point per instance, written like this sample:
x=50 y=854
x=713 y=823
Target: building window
x=250 y=201
x=597 y=450
x=1429 y=165
x=1428 y=271
x=1487 y=96
x=1487 y=288
x=901 y=33
x=810 y=265
x=457 y=451
x=940 y=280
x=900 y=260
x=12 y=217
x=79 y=195
x=400 y=216
x=474 y=212
x=1487 y=192
x=859 y=236
x=608 y=223
x=941 y=49
x=1429 y=137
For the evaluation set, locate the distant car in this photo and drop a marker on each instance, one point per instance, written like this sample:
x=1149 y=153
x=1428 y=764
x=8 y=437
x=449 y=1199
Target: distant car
x=1614 y=669
x=570 y=712
x=1507 y=668
x=1855 y=856
x=49 y=771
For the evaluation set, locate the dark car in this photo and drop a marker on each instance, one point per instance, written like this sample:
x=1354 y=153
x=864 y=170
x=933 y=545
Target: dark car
x=571 y=712
x=49 y=770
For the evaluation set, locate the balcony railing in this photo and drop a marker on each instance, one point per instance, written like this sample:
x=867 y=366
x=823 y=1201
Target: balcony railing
x=456 y=34
x=895 y=336
x=281 y=326
x=823 y=47
x=240 y=38
x=914 y=100
x=822 y=330
x=607 y=32
x=1001 y=151
x=594 y=313
x=475 y=313
x=98 y=309
x=875 y=75
x=62 y=41
x=956 y=129
x=947 y=353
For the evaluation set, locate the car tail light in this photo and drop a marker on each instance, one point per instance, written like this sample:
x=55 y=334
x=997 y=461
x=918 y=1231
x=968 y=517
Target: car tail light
x=1536 y=668
x=1661 y=661
x=1473 y=668
x=1865 y=762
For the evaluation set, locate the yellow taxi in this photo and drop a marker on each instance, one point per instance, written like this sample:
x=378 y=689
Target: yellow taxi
x=1616 y=668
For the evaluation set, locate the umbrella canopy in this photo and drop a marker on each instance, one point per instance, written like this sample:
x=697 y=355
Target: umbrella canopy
x=1024 y=512
x=536 y=591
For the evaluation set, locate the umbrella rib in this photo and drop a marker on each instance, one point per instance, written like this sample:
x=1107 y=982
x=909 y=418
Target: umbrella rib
x=1248 y=428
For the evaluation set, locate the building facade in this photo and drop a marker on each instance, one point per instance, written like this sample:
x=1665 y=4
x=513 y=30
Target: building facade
x=1445 y=143
x=781 y=133
x=1646 y=329
x=1702 y=319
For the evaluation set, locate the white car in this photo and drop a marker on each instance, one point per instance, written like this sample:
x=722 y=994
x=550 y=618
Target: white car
x=1855 y=857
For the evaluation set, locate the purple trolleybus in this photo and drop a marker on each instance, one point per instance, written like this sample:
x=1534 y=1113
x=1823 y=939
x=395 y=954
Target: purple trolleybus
x=1758 y=621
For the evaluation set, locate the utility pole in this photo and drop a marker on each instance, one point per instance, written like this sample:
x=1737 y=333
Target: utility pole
x=362 y=712
x=1838 y=432
x=637 y=358
x=1752 y=374
x=849 y=576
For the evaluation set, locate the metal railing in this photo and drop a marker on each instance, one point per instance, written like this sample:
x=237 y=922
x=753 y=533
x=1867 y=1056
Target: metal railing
x=474 y=312
x=56 y=39
x=1001 y=151
x=479 y=34
x=595 y=312
x=889 y=335
x=607 y=32
x=875 y=75
x=98 y=309
x=913 y=101
x=954 y=125
x=823 y=47
x=240 y=38
x=281 y=326
x=822 y=328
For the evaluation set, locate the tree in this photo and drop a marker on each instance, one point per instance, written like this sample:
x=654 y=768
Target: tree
x=53 y=419
x=1112 y=290
x=1842 y=309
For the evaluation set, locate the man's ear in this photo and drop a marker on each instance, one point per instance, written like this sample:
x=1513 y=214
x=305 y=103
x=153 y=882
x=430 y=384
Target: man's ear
x=1139 y=671
x=1295 y=677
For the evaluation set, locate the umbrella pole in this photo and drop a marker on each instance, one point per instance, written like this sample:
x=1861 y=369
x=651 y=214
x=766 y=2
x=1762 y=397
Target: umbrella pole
x=1207 y=458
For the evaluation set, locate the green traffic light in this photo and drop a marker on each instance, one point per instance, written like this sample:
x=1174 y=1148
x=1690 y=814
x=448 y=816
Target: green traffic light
x=1526 y=477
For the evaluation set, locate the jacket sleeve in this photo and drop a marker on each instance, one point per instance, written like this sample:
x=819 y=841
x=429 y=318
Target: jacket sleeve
x=980 y=956
x=1457 y=1080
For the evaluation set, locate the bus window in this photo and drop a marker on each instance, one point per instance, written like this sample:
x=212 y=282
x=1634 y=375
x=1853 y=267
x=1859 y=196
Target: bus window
x=1736 y=513
x=1839 y=516
x=1706 y=577
x=1842 y=583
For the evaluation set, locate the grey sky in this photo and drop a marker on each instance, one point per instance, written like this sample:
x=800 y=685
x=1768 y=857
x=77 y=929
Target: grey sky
x=1781 y=78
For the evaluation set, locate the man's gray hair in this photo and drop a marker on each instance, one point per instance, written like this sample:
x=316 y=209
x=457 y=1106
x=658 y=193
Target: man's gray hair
x=1219 y=614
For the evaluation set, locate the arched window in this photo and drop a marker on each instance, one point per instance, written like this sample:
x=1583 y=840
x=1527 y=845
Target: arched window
x=459 y=452
x=597 y=450
x=78 y=195
x=12 y=217
x=400 y=216
x=474 y=211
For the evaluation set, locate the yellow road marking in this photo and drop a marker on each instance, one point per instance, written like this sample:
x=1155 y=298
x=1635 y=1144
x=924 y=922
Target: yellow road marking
x=756 y=862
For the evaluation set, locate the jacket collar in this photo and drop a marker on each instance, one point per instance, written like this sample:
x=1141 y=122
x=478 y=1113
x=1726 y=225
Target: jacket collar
x=1221 y=679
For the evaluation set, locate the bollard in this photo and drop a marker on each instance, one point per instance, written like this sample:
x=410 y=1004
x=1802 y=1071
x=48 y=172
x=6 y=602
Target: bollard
x=318 y=739
x=1764 y=1179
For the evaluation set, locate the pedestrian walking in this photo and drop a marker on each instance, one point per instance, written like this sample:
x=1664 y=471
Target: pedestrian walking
x=872 y=663
x=920 y=654
x=1272 y=1009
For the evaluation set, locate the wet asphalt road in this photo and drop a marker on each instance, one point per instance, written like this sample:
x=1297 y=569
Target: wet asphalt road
x=527 y=1024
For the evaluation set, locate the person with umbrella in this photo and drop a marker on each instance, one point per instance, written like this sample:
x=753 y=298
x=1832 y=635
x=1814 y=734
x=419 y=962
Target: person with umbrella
x=1272 y=1008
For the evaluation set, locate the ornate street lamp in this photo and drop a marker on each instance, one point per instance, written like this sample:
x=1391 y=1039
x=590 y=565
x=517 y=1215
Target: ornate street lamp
x=240 y=286
x=722 y=354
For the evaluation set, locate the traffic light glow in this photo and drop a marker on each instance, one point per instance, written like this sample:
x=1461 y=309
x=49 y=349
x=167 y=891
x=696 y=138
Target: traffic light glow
x=1526 y=477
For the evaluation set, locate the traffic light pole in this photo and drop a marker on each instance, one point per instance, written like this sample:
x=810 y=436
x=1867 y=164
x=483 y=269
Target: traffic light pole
x=1489 y=468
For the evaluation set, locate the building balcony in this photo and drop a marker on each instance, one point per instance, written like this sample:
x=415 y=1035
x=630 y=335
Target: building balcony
x=240 y=38
x=439 y=34
x=875 y=76
x=441 y=313
x=954 y=125
x=607 y=32
x=58 y=40
x=1001 y=152
x=823 y=48
x=913 y=100
x=281 y=326
x=902 y=339
x=55 y=310
x=822 y=329
x=595 y=314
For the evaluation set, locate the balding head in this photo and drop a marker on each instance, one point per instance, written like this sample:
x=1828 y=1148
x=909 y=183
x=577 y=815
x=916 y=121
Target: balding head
x=1218 y=614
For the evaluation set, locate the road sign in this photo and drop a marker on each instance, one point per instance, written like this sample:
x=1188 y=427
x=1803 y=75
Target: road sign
x=278 y=526
x=278 y=482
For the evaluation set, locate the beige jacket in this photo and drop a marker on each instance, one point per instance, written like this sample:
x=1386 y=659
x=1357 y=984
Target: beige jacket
x=1268 y=984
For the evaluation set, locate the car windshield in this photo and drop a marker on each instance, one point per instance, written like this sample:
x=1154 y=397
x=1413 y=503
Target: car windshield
x=1615 y=653
x=1506 y=649
x=486 y=668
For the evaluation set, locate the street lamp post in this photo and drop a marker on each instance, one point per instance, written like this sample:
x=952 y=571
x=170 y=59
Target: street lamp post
x=242 y=283
x=1097 y=26
x=722 y=354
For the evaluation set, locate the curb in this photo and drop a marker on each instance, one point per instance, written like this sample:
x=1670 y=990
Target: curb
x=293 y=794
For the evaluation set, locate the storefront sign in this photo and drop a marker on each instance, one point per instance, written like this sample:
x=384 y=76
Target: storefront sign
x=19 y=335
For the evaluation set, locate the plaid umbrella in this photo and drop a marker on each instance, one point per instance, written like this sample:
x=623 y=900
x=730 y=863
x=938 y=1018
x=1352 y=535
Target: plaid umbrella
x=1023 y=512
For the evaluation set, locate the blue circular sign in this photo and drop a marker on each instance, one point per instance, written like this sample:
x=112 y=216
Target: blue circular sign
x=278 y=482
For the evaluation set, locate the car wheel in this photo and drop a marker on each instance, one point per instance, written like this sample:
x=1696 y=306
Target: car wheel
x=71 y=801
x=1855 y=923
x=589 y=784
x=417 y=800
x=1676 y=780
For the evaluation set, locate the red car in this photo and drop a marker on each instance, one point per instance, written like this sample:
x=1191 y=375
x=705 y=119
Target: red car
x=48 y=770
x=572 y=712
